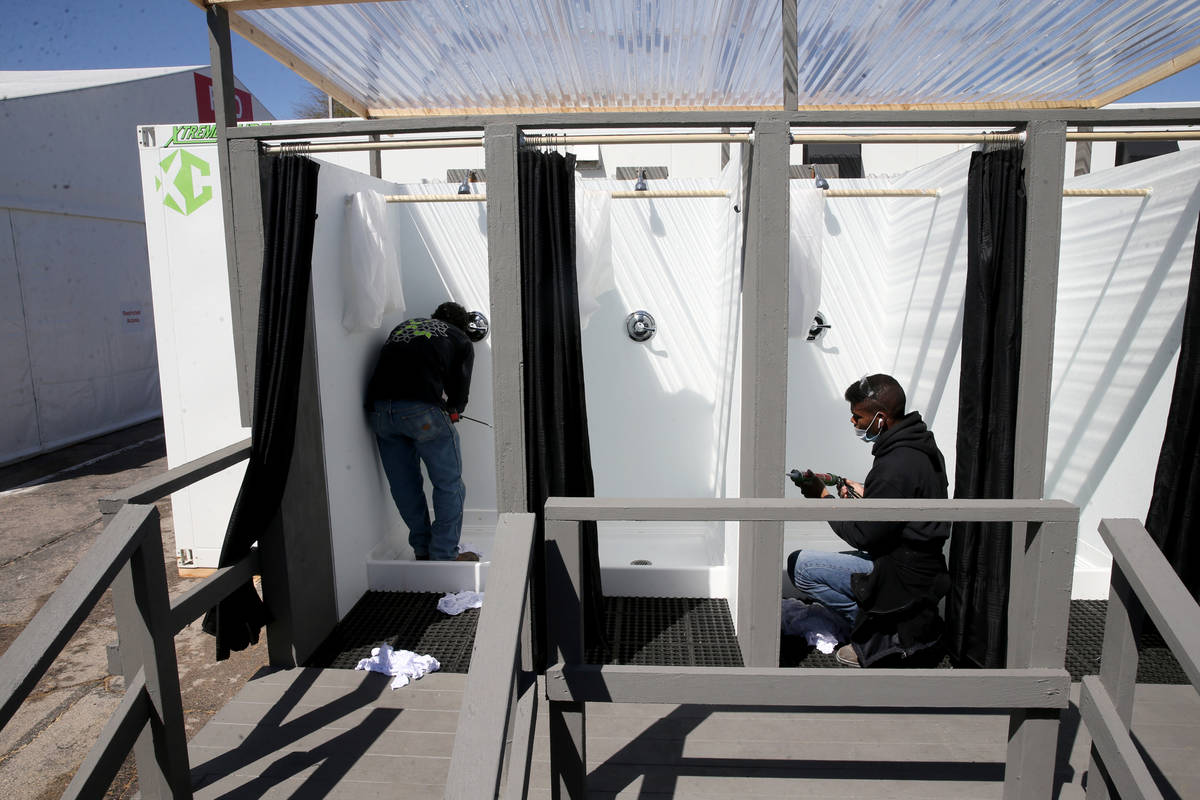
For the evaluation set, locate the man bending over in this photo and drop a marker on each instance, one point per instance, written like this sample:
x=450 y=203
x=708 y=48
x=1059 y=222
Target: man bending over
x=416 y=393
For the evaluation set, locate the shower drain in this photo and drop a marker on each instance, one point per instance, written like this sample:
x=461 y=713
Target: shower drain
x=641 y=562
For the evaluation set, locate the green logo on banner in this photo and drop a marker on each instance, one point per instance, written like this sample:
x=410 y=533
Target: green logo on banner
x=181 y=184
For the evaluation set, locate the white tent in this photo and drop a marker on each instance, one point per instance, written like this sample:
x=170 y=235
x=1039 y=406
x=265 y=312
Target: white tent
x=77 y=352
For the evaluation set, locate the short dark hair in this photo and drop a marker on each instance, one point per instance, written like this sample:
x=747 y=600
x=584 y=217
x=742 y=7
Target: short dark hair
x=453 y=314
x=882 y=392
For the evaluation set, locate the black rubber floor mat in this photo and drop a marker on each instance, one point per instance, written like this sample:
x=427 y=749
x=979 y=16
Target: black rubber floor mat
x=670 y=631
x=1085 y=640
x=663 y=631
x=406 y=621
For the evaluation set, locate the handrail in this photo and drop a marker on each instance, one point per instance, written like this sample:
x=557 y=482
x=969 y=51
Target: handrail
x=749 y=509
x=1033 y=687
x=159 y=486
x=196 y=602
x=1142 y=582
x=128 y=559
x=27 y=659
x=483 y=721
x=1159 y=589
x=104 y=760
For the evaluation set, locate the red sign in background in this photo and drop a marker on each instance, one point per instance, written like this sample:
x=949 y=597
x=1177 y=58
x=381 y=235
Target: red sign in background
x=205 y=106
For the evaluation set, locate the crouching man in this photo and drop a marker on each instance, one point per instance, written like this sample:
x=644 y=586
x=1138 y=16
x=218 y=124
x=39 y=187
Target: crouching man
x=888 y=588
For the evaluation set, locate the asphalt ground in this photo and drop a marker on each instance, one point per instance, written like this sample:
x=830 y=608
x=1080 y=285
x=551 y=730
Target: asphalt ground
x=49 y=517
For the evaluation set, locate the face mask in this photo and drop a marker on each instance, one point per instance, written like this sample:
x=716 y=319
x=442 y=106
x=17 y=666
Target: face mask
x=861 y=433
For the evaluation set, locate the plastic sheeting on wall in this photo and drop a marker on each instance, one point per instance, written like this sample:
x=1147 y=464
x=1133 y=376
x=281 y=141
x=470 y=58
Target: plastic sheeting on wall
x=371 y=279
x=593 y=247
x=806 y=234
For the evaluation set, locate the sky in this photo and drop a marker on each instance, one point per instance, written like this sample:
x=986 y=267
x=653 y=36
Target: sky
x=105 y=34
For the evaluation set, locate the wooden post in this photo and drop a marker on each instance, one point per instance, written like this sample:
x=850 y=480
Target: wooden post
x=1033 y=734
x=143 y=611
x=764 y=391
x=564 y=607
x=1118 y=667
x=504 y=284
x=1039 y=605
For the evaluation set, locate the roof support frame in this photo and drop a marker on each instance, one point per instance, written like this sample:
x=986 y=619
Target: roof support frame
x=1006 y=119
x=791 y=65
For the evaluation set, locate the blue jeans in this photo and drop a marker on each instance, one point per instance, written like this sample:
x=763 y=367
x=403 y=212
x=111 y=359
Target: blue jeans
x=410 y=432
x=825 y=578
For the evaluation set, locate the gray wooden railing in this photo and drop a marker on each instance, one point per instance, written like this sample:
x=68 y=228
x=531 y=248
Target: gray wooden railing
x=499 y=710
x=1034 y=688
x=1142 y=583
x=128 y=556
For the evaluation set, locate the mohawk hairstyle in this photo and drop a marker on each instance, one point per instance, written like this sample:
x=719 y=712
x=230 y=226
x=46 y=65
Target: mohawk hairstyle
x=882 y=392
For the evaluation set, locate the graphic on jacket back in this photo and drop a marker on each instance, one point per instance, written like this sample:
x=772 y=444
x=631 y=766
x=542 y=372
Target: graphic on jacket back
x=411 y=329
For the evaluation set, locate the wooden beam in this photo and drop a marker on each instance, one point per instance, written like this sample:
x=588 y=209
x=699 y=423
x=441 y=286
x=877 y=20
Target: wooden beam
x=27 y=659
x=95 y=775
x=258 y=5
x=1163 y=70
x=764 y=355
x=477 y=760
x=1159 y=589
x=629 y=509
x=501 y=143
x=159 y=486
x=191 y=605
x=283 y=55
x=811 y=688
x=1119 y=755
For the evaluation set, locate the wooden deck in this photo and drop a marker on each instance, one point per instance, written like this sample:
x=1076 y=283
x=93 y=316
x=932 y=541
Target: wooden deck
x=337 y=733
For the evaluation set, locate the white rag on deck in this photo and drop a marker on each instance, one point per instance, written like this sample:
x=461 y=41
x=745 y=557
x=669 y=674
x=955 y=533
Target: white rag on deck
x=457 y=602
x=403 y=664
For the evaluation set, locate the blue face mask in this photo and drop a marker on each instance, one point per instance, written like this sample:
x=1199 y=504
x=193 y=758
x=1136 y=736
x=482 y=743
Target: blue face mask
x=861 y=433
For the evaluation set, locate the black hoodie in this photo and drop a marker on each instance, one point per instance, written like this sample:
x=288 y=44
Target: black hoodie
x=426 y=360
x=898 y=599
x=907 y=465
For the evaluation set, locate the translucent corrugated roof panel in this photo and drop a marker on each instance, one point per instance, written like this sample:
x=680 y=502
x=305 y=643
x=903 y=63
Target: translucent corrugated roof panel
x=453 y=56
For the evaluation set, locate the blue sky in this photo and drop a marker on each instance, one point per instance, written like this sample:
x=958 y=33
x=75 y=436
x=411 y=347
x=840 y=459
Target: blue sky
x=99 y=34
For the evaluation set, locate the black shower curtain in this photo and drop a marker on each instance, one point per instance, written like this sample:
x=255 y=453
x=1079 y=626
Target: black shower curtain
x=977 y=606
x=558 y=458
x=289 y=219
x=1174 y=516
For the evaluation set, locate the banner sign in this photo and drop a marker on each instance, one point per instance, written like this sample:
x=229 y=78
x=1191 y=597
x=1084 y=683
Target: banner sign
x=205 y=107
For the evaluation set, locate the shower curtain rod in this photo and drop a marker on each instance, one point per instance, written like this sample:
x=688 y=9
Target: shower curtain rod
x=302 y=148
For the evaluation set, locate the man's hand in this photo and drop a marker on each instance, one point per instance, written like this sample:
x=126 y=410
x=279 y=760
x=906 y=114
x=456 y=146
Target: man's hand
x=811 y=486
x=855 y=485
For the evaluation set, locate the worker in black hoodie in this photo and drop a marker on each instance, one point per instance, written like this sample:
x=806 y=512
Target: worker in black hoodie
x=889 y=587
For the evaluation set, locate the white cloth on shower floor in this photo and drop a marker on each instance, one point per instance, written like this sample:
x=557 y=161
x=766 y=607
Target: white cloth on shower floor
x=405 y=665
x=454 y=603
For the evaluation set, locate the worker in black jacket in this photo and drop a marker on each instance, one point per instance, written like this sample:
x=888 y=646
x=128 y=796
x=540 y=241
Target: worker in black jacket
x=888 y=588
x=416 y=394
